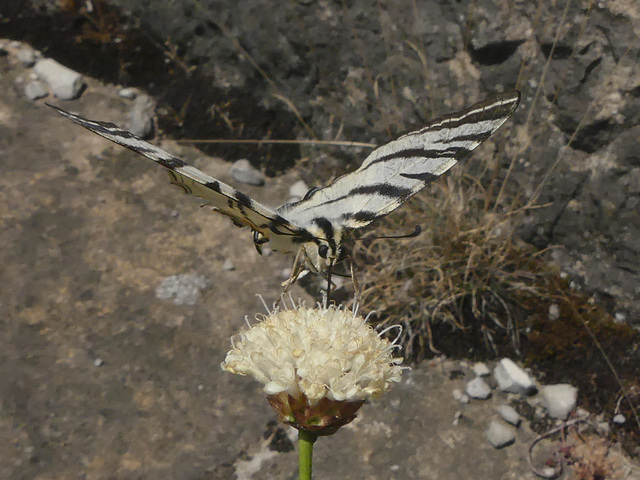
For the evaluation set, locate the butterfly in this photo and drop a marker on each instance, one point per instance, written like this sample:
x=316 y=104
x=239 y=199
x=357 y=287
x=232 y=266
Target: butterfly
x=315 y=227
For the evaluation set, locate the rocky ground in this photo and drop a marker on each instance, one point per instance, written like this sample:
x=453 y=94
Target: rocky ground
x=119 y=295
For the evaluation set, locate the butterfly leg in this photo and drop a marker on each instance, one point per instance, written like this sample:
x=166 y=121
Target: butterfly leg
x=297 y=270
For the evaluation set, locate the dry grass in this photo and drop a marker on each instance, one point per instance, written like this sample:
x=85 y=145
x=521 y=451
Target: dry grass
x=468 y=264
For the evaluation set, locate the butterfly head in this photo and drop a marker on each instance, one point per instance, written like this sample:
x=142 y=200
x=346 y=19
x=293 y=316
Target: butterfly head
x=319 y=255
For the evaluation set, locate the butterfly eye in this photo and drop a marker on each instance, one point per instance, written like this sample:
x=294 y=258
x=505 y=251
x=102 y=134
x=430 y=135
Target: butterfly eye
x=323 y=250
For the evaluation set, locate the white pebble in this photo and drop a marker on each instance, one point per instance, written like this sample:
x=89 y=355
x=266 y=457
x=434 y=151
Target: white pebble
x=228 y=265
x=128 y=92
x=242 y=171
x=63 y=82
x=554 y=311
x=513 y=379
x=35 y=90
x=559 y=400
x=460 y=397
x=508 y=414
x=500 y=435
x=98 y=362
x=619 y=419
x=184 y=289
x=478 y=388
x=298 y=190
x=27 y=56
x=141 y=116
x=481 y=369
x=285 y=273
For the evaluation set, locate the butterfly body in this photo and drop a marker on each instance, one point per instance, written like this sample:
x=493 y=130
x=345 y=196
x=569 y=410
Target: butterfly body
x=315 y=227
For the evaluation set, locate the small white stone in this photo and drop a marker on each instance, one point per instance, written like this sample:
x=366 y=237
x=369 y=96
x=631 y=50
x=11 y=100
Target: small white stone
x=460 y=396
x=35 y=90
x=511 y=378
x=481 y=369
x=27 y=56
x=500 y=435
x=619 y=419
x=98 y=362
x=63 y=82
x=463 y=364
x=508 y=414
x=559 y=400
x=128 y=92
x=242 y=171
x=620 y=317
x=184 y=289
x=141 y=116
x=228 y=265
x=554 y=311
x=478 y=388
x=285 y=273
x=298 y=190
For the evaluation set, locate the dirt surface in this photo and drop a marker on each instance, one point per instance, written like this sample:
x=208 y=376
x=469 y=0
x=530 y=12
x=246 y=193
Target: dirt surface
x=102 y=379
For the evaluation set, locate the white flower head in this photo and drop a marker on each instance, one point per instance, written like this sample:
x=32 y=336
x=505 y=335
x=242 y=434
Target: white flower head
x=315 y=358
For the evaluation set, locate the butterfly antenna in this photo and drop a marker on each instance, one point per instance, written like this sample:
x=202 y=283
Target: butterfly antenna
x=329 y=268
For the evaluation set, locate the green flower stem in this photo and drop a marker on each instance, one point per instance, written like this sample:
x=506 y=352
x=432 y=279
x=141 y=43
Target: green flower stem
x=305 y=453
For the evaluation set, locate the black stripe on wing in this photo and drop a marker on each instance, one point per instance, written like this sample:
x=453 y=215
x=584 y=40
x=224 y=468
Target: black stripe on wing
x=500 y=106
x=242 y=209
x=394 y=172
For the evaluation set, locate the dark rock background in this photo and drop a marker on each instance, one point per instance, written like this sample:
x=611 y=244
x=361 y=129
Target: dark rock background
x=367 y=72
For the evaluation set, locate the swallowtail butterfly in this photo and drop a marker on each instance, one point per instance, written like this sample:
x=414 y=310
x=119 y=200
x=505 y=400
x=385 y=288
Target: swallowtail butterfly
x=314 y=228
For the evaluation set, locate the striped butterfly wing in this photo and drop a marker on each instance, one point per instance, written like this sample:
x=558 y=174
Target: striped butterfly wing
x=243 y=210
x=394 y=172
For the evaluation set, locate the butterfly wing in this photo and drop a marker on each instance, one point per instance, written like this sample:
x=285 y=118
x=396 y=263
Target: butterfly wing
x=243 y=210
x=394 y=172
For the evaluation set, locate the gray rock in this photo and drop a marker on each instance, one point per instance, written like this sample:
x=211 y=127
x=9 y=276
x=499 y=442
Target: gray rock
x=500 y=435
x=35 y=90
x=27 y=56
x=511 y=378
x=63 y=82
x=619 y=419
x=478 y=388
x=298 y=190
x=243 y=172
x=184 y=289
x=141 y=116
x=285 y=273
x=604 y=427
x=554 y=311
x=508 y=414
x=460 y=397
x=228 y=265
x=128 y=92
x=559 y=399
x=481 y=369
x=98 y=362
